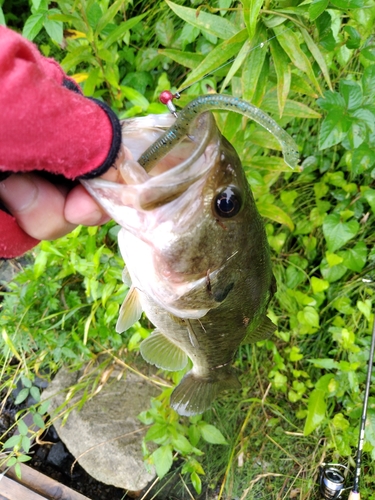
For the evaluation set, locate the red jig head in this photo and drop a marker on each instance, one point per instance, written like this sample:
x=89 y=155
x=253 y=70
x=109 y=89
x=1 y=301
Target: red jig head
x=166 y=97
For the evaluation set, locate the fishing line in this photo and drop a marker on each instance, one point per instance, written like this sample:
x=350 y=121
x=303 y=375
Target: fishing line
x=332 y=477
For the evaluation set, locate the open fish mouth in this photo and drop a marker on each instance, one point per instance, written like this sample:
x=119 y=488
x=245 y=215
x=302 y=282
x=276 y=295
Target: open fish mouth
x=132 y=187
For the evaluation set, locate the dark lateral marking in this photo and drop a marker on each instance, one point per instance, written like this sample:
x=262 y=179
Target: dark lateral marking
x=208 y=282
x=220 y=295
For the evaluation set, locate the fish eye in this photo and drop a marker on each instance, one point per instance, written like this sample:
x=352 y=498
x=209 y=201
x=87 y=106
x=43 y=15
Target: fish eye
x=228 y=202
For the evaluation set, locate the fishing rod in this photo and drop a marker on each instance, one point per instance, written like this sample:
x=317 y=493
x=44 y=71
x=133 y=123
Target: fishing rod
x=332 y=477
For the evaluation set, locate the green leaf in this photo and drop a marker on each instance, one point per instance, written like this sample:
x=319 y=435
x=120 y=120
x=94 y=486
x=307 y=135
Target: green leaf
x=164 y=30
x=369 y=52
x=355 y=258
x=289 y=42
x=332 y=273
x=294 y=276
x=283 y=73
x=196 y=482
x=26 y=443
x=365 y=308
x=318 y=285
x=188 y=35
x=368 y=82
x=91 y=82
x=163 y=459
x=343 y=305
x=218 y=56
x=211 y=434
x=38 y=421
x=210 y=23
x=308 y=317
x=348 y=4
x=94 y=13
x=33 y=25
x=300 y=85
x=157 y=432
x=22 y=395
x=332 y=101
x=253 y=66
x=182 y=445
x=119 y=32
x=42 y=409
x=251 y=9
x=326 y=363
x=266 y=140
x=276 y=214
x=318 y=56
x=2 y=18
x=12 y=442
x=316 y=8
x=333 y=129
x=22 y=427
x=54 y=28
x=354 y=40
x=237 y=63
x=272 y=163
x=194 y=434
x=369 y=196
x=292 y=108
x=188 y=59
x=352 y=93
x=35 y=393
x=26 y=382
x=136 y=98
x=340 y=422
x=77 y=56
x=337 y=233
x=315 y=412
x=108 y=16
x=363 y=158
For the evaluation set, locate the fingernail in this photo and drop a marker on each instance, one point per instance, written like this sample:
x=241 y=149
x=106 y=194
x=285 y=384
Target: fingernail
x=18 y=192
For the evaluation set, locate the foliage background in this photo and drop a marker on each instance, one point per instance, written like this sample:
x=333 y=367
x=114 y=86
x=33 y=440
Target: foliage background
x=312 y=66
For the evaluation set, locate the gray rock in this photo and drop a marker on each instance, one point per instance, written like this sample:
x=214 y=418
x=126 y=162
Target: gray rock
x=105 y=435
x=10 y=267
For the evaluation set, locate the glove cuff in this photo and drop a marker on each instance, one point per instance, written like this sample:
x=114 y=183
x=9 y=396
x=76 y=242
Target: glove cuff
x=116 y=141
x=13 y=240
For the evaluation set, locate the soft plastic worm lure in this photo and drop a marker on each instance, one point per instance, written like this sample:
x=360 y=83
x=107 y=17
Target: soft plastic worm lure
x=185 y=118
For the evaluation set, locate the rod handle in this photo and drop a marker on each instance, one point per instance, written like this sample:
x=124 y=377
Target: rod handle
x=354 y=496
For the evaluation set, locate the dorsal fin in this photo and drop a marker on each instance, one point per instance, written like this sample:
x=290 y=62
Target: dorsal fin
x=264 y=330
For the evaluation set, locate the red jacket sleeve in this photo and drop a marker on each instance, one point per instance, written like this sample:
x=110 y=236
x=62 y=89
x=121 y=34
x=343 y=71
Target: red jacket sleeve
x=47 y=124
x=43 y=124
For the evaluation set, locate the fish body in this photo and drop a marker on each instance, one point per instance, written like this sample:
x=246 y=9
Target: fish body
x=197 y=255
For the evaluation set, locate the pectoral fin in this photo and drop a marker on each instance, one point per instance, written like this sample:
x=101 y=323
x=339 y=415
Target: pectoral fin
x=263 y=331
x=158 y=350
x=130 y=311
x=126 y=277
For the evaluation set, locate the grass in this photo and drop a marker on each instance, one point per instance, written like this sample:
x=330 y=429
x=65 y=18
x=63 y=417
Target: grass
x=66 y=303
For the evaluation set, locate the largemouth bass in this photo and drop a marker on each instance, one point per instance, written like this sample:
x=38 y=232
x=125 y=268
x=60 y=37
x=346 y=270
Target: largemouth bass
x=195 y=249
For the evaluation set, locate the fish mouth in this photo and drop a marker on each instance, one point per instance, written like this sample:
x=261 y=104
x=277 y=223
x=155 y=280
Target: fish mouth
x=133 y=188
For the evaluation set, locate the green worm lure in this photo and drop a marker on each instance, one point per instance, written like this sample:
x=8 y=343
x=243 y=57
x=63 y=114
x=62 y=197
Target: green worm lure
x=184 y=119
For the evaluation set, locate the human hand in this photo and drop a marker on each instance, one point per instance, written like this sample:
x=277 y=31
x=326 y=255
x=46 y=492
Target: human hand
x=47 y=211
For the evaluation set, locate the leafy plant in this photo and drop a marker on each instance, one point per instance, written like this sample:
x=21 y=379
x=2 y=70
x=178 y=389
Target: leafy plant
x=311 y=65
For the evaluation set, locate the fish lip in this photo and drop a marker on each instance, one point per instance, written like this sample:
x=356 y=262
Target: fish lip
x=160 y=189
